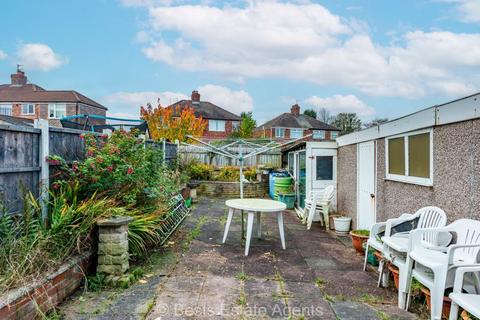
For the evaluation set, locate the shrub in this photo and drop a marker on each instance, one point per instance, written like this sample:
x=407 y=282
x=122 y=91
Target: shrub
x=30 y=247
x=122 y=167
x=200 y=171
x=250 y=174
x=229 y=174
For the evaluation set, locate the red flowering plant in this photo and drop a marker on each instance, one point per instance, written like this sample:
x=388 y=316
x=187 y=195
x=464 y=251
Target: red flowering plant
x=121 y=166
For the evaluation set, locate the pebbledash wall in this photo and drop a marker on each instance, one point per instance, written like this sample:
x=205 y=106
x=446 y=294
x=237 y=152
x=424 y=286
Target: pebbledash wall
x=456 y=172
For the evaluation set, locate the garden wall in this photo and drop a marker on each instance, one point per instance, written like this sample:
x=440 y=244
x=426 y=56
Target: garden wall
x=30 y=301
x=223 y=189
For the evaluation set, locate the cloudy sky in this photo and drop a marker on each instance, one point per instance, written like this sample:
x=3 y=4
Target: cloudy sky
x=376 y=58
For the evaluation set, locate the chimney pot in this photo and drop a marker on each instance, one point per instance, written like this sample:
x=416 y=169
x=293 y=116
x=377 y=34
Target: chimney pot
x=295 y=110
x=195 y=96
x=18 y=78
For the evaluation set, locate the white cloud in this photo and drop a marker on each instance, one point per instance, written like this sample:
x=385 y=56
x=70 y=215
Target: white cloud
x=127 y=104
x=307 y=42
x=341 y=103
x=469 y=10
x=3 y=55
x=39 y=56
x=233 y=101
x=130 y=102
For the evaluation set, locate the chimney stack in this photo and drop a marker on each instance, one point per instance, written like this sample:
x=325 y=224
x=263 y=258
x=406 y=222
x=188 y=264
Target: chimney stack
x=295 y=110
x=195 y=97
x=18 y=78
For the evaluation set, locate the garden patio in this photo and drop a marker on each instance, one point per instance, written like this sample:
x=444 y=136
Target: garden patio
x=318 y=276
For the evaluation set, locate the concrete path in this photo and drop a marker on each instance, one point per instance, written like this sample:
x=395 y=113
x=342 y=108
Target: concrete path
x=317 y=277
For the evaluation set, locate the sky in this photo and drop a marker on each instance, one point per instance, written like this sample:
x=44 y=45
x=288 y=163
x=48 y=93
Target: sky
x=376 y=58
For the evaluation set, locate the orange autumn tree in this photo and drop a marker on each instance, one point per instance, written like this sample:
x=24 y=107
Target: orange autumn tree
x=163 y=122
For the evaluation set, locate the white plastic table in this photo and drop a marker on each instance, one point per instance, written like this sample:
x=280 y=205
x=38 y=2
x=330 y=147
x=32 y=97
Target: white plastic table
x=252 y=206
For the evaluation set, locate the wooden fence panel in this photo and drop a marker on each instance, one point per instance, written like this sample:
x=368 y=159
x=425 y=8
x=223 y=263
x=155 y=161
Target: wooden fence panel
x=270 y=159
x=20 y=160
x=19 y=165
x=67 y=144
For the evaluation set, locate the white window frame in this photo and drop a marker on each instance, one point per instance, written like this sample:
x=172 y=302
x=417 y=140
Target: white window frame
x=277 y=132
x=296 y=129
x=28 y=113
x=6 y=106
x=332 y=133
x=214 y=127
x=406 y=178
x=235 y=125
x=54 y=106
x=316 y=134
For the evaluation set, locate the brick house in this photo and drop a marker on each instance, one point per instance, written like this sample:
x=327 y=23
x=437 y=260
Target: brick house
x=30 y=101
x=221 y=123
x=294 y=125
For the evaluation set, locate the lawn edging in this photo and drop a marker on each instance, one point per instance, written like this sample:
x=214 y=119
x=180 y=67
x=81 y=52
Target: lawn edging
x=30 y=301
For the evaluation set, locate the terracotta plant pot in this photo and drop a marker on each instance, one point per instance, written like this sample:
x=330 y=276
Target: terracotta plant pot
x=358 y=241
x=465 y=316
x=447 y=303
x=185 y=193
x=394 y=271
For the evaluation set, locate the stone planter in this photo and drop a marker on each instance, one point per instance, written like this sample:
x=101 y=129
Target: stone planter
x=113 y=247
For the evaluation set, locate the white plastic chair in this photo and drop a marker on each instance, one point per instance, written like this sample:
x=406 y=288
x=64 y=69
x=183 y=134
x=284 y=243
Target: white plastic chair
x=375 y=243
x=468 y=302
x=319 y=202
x=396 y=247
x=435 y=265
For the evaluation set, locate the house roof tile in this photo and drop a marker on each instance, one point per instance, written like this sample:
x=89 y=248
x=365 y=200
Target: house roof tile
x=288 y=120
x=206 y=110
x=32 y=93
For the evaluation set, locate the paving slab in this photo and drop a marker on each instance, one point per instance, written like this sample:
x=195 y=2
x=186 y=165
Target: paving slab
x=318 y=276
x=354 y=311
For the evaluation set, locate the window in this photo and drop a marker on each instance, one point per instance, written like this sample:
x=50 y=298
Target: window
x=6 y=109
x=28 y=108
x=235 y=125
x=319 y=134
x=333 y=135
x=324 y=168
x=216 y=125
x=296 y=133
x=57 y=110
x=279 y=132
x=409 y=157
x=291 y=162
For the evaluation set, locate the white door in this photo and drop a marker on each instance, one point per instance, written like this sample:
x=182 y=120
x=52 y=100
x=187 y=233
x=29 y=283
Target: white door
x=322 y=170
x=366 y=185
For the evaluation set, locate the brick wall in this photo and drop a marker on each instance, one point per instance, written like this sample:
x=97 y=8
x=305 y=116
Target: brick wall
x=219 y=134
x=41 y=112
x=232 y=189
x=30 y=301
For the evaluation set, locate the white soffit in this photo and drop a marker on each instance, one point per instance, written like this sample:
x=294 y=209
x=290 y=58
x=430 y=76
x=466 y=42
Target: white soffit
x=463 y=109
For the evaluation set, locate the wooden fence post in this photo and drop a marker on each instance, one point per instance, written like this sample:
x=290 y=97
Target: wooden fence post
x=164 y=147
x=43 y=152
